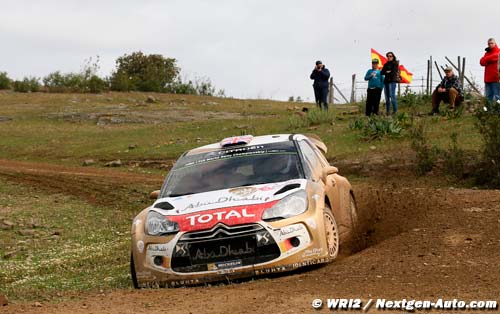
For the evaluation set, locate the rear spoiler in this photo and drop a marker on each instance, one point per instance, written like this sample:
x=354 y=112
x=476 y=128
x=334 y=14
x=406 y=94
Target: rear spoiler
x=316 y=140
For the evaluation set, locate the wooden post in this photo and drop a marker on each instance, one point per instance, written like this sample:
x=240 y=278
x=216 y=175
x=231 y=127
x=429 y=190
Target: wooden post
x=353 y=89
x=428 y=75
x=330 y=91
x=463 y=72
x=465 y=77
x=430 y=80
x=423 y=92
x=437 y=68
x=459 y=67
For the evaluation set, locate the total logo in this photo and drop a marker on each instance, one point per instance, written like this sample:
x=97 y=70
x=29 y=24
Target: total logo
x=229 y=216
x=219 y=216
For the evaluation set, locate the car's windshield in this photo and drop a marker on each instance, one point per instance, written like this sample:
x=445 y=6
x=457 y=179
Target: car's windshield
x=233 y=167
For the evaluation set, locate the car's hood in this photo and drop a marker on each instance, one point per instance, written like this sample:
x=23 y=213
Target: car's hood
x=231 y=206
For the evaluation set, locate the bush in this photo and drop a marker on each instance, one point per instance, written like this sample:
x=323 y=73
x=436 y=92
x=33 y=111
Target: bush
x=27 y=85
x=488 y=124
x=454 y=158
x=5 y=81
x=140 y=72
x=96 y=85
x=311 y=118
x=377 y=127
x=426 y=154
x=86 y=81
x=178 y=87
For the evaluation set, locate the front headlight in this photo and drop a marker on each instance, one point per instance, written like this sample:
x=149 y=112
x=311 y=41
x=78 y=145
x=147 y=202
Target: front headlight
x=292 y=205
x=157 y=224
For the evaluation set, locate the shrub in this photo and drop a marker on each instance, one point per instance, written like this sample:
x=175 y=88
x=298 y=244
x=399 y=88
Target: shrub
x=178 y=87
x=426 y=154
x=5 y=81
x=312 y=117
x=454 y=160
x=27 y=85
x=96 y=85
x=488 y=124
x=377 y=127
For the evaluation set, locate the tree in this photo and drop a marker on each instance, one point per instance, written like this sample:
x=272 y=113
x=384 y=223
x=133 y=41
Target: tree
x=5 y=81
x=141 y=72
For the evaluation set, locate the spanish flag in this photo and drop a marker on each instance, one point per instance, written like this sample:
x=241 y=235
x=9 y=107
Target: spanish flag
x=406 y=76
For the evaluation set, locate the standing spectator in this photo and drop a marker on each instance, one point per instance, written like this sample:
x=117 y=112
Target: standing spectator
x=490 y=63
x=391 y=73
x=320 y=75
x=449 y=91
x=375 y=85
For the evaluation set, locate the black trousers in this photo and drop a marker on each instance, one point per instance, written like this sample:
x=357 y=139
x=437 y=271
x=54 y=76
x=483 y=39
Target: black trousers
x=320 y=94
x=372 y=100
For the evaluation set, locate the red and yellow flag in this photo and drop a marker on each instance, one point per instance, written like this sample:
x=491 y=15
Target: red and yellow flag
x=406 y=76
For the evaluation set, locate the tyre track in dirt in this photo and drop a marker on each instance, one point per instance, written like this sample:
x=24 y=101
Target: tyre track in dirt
x=418 y=242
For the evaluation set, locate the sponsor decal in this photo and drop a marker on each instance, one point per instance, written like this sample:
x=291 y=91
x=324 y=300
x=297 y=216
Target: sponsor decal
x=145 y=275
x=312 y=252
x=290 y=229
x=223 y=251
x=230 y=216
x=243 y=191
x=285 y=246
x=293 y=266
x=224 y=265
x=140 y=246
x=154 y=248
x=226 y=199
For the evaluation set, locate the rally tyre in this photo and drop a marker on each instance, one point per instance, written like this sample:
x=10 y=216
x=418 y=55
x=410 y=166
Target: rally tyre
x=132 y=272
x=331 y=233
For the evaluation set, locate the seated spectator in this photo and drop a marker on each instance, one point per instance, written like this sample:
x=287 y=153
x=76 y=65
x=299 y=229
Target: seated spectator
x=449 y=91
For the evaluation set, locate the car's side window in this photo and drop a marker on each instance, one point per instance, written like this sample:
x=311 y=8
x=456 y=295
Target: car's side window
x=312 y=159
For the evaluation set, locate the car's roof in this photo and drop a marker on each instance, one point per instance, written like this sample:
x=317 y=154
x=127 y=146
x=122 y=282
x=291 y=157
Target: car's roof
x=256 y=140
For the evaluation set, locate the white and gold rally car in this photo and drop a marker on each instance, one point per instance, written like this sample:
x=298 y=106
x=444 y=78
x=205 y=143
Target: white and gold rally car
x=243 y=207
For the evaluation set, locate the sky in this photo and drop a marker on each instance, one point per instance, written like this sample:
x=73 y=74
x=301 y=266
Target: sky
x=251 y=49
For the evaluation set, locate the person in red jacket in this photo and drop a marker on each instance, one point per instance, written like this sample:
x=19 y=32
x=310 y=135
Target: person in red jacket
x=490 y=64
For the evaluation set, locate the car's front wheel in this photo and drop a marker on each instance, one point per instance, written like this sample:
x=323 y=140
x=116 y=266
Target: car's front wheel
x=331 y=233
x=132 y=272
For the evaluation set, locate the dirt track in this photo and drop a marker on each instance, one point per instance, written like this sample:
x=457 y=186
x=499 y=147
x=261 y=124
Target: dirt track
x=421 y=242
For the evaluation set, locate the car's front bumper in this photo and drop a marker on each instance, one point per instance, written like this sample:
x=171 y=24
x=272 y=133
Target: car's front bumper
x=224 y=252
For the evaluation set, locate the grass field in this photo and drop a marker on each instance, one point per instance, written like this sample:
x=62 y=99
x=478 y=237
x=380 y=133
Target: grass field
x=61 y=243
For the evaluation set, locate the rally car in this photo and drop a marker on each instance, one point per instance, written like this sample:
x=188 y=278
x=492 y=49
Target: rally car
x=243 y=207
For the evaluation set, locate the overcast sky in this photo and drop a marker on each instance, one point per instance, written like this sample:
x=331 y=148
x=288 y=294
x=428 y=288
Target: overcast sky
x=252 y=49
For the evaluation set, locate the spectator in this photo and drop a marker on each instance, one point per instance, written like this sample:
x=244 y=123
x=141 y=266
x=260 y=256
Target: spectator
x=490 y=63
x=375 y=85
x=449 y=91
x=320 y=75
x=391 y=79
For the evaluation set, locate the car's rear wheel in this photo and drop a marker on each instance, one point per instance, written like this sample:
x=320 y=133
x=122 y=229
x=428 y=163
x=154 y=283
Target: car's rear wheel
x=331 y=233
x=132 y=272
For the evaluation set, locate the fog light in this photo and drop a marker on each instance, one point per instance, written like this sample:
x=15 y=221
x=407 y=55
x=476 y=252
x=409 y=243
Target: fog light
x=158 y=260
x=295 y=241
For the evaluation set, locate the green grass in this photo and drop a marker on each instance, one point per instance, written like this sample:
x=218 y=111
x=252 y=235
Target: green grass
x=91 y=252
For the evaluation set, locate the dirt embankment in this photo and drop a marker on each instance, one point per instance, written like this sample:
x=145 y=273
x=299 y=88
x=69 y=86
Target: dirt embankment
x=420 y=242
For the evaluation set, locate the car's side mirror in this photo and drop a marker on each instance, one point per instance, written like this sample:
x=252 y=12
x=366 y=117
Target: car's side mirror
x=154 y=195
x=329 y=171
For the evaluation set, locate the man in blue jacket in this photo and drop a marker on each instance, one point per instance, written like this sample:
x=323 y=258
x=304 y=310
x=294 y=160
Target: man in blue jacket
x=375 y=85
x=320 y=75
